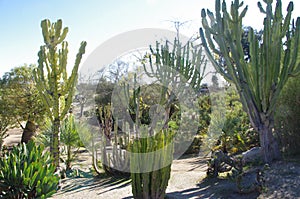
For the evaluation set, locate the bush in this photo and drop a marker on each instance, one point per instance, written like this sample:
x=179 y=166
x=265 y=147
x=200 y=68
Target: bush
x=229 y=128
x=287 y=117
x=27 y=172
x=70 y=139
x=4 y=124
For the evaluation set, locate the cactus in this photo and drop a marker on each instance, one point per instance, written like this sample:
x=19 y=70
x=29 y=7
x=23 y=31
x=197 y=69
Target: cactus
x=150 y=172
x=150 y=155
x=52 y=81
x=187 y=61
x=260 y=79
x=119 y=158
x=148 y=179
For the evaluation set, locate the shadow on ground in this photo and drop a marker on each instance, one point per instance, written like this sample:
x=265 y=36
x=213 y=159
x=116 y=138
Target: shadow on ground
x=214 y=189
x=87 y=181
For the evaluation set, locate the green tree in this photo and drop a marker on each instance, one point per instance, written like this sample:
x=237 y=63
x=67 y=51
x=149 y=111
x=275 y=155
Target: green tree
x=4 y=120
x=103 y=92
x=54 y=85
x=4 y=125
x=85 y=90
x=21 y=101
x=259 y=80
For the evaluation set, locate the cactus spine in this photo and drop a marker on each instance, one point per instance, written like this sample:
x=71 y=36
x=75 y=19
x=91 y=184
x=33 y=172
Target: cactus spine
x=52 y=81
x=260 y=80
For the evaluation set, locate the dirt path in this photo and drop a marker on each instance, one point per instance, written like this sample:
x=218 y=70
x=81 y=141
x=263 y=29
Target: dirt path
x=14 y=137
x=187 y=180
x=185 y=174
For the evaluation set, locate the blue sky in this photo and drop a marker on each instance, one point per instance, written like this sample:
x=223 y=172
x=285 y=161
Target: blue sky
x=94 y=21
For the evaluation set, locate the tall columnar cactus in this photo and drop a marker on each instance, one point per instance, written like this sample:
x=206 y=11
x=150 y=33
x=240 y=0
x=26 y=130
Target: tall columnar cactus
x=52 y=80
x=260 y=79
x=153 y=181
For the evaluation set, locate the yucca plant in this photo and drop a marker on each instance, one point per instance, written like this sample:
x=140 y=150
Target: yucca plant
x=27 y=172
x=69 y=137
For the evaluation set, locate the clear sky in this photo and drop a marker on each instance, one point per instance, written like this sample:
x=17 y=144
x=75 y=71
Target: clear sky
x=95 y=21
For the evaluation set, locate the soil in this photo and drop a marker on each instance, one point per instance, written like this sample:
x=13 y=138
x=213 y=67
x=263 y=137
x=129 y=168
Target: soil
x=188 y=180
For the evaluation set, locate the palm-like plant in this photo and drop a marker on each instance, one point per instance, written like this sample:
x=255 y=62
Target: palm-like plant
x=70 y=139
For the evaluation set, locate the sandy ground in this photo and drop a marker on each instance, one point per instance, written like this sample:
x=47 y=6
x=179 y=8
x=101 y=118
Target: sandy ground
x=182 y=184
x=187 y=180
x=14 y=137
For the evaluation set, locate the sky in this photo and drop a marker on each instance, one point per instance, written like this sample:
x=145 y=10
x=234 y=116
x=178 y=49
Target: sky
x=96 y=21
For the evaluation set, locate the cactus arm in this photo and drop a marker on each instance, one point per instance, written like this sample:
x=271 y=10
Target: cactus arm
x=211 y=57
x=259 y=80
x=51 y=78
x=296 y=48
x=71 y=81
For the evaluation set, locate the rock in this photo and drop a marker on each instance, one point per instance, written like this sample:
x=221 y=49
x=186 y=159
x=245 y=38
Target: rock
x=252 y=155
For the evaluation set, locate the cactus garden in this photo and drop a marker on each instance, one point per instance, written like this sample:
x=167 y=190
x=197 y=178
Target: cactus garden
x=206 y=110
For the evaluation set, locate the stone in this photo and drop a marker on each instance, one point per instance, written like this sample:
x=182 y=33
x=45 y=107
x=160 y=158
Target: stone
x=252 y=155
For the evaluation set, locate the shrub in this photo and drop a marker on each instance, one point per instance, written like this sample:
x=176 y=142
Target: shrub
x=229 y=128
x=4 y=124
x=27 y=172
x=70 y=139
x=287 y=117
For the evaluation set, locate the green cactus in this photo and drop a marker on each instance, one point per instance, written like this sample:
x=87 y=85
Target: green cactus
x=187 y=60
x=148 y=152
x=112 y=137
x=259 y=80
x=53 y=83
x=153 y=182
x=150 y=172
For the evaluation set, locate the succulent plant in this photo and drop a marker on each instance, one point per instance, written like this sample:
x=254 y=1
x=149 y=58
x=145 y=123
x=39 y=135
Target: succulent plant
x=27 y=172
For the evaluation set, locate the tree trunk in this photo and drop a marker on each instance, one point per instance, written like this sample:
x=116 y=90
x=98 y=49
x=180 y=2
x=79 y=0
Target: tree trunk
x=28 y=132
x=81 y=109
x=54 y=149
x=269 y=145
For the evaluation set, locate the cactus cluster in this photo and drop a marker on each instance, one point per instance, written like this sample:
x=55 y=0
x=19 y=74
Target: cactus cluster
x=151 y=148
x=52 y=81
x=259 y=79
x=117 y=156
x=187 y=60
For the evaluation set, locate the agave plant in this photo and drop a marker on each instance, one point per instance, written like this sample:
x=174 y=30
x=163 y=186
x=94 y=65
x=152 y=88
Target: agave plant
x=27 y=172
